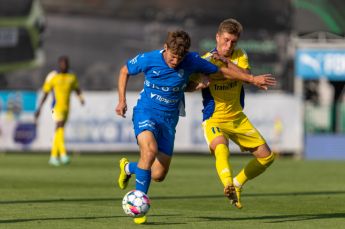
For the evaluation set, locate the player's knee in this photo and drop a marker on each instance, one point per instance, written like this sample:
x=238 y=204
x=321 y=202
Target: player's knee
x=158 y=177
x=218 y=141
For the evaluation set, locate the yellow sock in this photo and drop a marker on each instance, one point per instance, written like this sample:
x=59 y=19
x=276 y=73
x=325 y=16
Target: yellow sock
x=61 y=141
x=222 y=164
x=54 y=149
x=254 y=168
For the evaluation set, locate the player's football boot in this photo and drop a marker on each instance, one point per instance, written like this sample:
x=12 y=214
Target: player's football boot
x=238 y=194
x=140 y=220
x=230 y=193
x=54 y=161
x=123 y=177
x=65 y=160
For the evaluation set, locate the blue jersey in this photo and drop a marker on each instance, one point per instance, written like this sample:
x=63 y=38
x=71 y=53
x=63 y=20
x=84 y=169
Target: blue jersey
x=164 y=86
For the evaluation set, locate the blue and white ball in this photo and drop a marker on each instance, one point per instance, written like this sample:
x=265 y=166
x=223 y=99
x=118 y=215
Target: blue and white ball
x=136 y=203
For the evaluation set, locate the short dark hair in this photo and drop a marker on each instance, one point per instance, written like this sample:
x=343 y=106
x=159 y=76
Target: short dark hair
x=63 y=58
x=231 y=26
x=178 y=42
x=63 y=64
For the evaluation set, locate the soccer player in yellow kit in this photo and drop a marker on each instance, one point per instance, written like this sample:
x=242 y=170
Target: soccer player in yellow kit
x=223 y=116
x=61 y=83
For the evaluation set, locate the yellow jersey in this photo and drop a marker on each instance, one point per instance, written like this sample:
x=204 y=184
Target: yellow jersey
x=223 y=100
x=61 y=85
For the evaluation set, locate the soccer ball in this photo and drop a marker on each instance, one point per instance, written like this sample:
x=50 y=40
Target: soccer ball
x=136 y=203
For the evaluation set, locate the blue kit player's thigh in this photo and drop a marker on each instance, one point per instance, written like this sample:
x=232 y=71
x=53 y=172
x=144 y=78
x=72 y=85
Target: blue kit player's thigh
x=144 y=120
x=161 y=124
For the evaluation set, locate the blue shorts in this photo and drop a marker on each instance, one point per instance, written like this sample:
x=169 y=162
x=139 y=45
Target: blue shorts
x=161 y=124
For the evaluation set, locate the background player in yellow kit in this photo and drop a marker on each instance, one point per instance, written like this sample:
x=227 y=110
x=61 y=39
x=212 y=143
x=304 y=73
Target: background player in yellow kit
x=224 y=119
x=61 y=83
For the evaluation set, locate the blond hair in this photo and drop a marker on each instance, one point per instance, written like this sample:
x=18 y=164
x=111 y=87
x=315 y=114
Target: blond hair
x=231 y=26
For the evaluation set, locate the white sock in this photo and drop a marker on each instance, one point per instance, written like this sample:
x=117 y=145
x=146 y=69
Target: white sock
x=127 y=169
x=236 y=183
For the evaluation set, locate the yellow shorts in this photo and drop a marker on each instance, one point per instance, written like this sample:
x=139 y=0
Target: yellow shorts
x=59 y=115
x=240 y=130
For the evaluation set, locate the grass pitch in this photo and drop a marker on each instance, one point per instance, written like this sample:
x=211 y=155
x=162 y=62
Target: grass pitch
x=290 y=194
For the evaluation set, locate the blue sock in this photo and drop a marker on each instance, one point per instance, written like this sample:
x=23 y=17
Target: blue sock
x=132 y=167
x=143 y=179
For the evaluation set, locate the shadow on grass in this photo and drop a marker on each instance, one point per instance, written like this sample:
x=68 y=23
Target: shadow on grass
x=278 y=218
x=62 y=200
x=57 y=218
x=160 y=224
x=8 y=221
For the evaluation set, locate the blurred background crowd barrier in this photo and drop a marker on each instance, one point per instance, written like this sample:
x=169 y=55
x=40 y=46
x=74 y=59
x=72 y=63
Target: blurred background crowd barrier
x=300 y=41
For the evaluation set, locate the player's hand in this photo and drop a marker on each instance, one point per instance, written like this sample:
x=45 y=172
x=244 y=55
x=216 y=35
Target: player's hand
x=264 y=81
x=216 y=56
x=121 y=109
x=203 y=83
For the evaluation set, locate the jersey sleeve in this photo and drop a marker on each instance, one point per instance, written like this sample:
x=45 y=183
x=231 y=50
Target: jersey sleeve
x=136 y=64
x=203 y=66
x=243 y=61
x=207 y=56
x=48 y=83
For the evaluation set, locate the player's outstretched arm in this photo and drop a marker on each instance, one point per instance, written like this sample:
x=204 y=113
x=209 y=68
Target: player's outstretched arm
x=121 y=107
x=236 y=73
x=233 y=74
x=261 y=81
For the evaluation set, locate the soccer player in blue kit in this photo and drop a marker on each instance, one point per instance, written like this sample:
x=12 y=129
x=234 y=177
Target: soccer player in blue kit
x=156 y=114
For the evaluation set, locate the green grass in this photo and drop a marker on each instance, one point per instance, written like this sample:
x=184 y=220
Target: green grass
x=291 y=194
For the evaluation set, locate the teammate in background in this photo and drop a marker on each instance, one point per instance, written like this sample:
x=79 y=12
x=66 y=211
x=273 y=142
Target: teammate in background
x=223 y=116
x=61 y=83
x=161 y=101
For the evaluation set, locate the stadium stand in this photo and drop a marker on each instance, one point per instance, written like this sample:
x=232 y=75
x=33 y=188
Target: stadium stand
x=100 y=35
